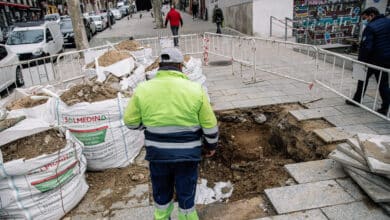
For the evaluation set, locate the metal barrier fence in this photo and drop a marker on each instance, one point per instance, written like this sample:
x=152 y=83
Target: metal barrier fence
x=255 y=56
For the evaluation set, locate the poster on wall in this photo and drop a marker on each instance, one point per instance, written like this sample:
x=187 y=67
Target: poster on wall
x=301 y=11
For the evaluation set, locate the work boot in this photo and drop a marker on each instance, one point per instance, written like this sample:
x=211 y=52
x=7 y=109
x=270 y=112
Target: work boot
x=163 y=214
x=190 y=216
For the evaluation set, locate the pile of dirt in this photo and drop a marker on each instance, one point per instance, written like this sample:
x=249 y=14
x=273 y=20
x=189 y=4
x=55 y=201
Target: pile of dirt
x=109 y=58
x=153 y=66
x=88 y=92
x=130 y=45
x=252 y=154
x=35 y=145
x=25 y=102
x=119 y=180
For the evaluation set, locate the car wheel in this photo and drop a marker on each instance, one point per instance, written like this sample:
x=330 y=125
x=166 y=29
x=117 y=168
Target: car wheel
x=19 y=77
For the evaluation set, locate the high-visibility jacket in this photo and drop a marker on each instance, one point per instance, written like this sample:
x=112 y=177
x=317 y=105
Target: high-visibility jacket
x=176 y=115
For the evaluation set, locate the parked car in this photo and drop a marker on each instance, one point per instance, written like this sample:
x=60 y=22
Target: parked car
x=117 y=13
x=91 y=24
x=125 y=10
x=9 y=74
x=6 y=31
x=53 y=17
x=67 y=31
x=31 y=40
x=100 y=22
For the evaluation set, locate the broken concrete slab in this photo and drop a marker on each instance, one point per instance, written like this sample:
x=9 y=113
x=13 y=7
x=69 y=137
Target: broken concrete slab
x=347 y=160
x=375 y=192
x=93 y=205
x=348 y=150
x=354 y=142
x=138 y=196
x=314 y=214
x=376 y=179
x=314 y=113
x=376 y=151
x=352 y=188
x=314 y=171
x=307 y=196
x=356 y=210
x=330 y=135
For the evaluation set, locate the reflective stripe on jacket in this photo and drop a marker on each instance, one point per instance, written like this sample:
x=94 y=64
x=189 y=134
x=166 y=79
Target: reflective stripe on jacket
x=177 y=117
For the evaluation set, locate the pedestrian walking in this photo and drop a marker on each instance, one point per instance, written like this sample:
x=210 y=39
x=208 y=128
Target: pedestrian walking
x=177 y=118
x=195 y=7
x=175 y=20
x=375 y=49
x=218 y=18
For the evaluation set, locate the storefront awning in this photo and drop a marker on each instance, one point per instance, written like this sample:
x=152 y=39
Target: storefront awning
x=14 y=5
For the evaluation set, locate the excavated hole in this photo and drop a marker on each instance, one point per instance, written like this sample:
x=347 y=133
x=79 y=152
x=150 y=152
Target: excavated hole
x=252 y=155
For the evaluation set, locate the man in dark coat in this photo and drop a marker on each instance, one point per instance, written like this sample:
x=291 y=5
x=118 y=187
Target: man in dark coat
x=375 y=49
x=218 y=18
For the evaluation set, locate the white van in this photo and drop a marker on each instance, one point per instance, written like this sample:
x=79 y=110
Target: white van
x=36 y=39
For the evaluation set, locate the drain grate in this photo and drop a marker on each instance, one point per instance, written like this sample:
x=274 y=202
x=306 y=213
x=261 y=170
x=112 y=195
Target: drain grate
x=221 y=63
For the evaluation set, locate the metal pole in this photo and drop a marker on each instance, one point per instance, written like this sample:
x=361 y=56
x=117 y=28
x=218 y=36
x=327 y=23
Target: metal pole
x=270 y=26
x=285 y=29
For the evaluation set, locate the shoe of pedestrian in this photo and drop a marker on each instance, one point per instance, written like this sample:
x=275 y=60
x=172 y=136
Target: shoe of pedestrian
x=350 y=103
x=383 y=111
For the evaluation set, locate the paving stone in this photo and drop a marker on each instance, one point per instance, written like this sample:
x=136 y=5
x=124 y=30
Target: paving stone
x=95 y=216
x=91 y=204
x=376 y=179
x=314 y=214
x=355 y=129
x=354 y=143
x=326 y=102
x=307 y=196
x=346 y=160
x=377 y=153
x=348 y=150
x=355 y=211
x=315 y=113
x=352 y=188
x=314 y=171
x=140 y=213
x=374 y=191
x=386 y=207
x=139 y=196
x=330 y=135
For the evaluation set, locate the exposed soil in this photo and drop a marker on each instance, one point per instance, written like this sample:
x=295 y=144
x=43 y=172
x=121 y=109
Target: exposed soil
x=88 y=92
x=35 y=145
x=119 y=180
x=130 y=45
x=109 y=58
x=252 y=155
x=25 y=102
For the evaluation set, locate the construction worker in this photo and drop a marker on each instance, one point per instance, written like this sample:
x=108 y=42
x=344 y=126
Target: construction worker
x=177 y=118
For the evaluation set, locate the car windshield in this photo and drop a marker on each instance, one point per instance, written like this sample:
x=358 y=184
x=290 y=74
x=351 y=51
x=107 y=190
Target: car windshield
x=25 y=37
x=66 y=25
x=51 y=17
x=96 y=18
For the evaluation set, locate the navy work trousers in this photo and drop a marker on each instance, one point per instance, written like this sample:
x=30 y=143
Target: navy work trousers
x=181 y=176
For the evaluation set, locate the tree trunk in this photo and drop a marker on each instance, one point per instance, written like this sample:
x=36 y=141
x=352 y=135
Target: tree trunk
x=156 y=4
x=80 y=36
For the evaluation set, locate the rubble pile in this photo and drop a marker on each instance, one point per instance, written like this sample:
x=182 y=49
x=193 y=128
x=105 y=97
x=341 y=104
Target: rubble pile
x=109 y=58
x=26 y=102
x=130 y=45
x=88 y=92
x=366 y=159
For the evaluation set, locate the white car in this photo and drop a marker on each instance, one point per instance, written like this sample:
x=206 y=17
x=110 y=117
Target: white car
x=9 y=73
x=117 y=14
x=53 y=17
x=99 y=22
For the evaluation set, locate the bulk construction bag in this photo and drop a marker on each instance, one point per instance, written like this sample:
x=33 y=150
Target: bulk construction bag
x=108 y=143
x=43 y=187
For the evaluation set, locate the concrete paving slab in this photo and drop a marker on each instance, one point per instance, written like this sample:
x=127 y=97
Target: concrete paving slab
x=139 y=213
x=314 y=214
x=374 y=191
x=330 y=135
x=348 y=150
x=352 y=188
x=346 y=160
x=354 y=143
x=386 y=207
x=376 y=179
x=314 y=171
x=306 y=114
x=138 y=196
x=376 y=149
x=355 y=211
x=307 y=196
